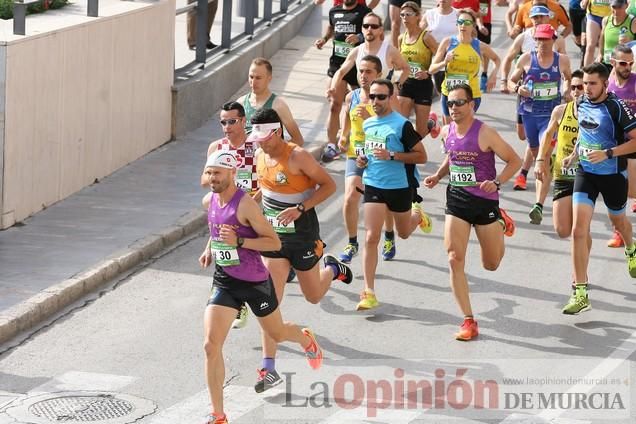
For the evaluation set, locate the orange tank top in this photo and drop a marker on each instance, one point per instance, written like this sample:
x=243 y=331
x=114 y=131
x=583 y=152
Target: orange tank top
x=278 y=179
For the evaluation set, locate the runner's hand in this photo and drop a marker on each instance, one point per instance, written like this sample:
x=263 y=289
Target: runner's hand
x=362 y=161
x=488 y=186
x=539 y=170
x=289 y=215
x=524 y=92
x=504 y=87
x=596 y=156
x=227 y=235
x=330 y=92
x=492 y=81
x=421 y=75
x=449 y=57
x=343 y=144
x=381 y=154
x=431 y=181
x=352 y=39
x=206 y=258
x=319 y=43
x=362 y=112
x=568 y=160
x=483 y=30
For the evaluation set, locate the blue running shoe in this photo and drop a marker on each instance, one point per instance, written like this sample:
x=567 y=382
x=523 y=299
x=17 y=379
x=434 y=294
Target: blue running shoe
x=388 y=250
x=350 y=250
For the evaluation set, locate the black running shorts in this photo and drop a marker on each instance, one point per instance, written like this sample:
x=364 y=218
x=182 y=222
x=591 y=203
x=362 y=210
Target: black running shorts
x=472 y=209
x=421 y=91
x=233 y=293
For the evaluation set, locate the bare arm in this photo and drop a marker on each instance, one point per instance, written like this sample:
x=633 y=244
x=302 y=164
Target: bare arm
x=491 y=139
x=513 y=51
x=430 y=42
x=250 y=214
x=545 y=148
x=439 y=61
x=601 y=42
x=517 y=74
x=346 y=66
x=513 y=7
x=489 y=53
x=566 y=74
x=345 y=124
x=280 y=106
x=319 y=43
x=373 y=3
x=400 y=64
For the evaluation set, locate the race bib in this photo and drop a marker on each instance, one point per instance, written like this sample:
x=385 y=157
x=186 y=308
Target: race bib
x=373 y=142
x=224 y=255
x=585 y=148
x=545 y=90
x=272 y=217
x=483 y=8
x=415 y=68
x=358 y=147
x=568 y=173
x=341 y=49
x=601 y=2
x=244 y=180
x=463 y=176
x=455 y=79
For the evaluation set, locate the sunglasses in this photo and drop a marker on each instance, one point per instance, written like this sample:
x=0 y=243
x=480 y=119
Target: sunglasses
x=458 y=102
x=225 y=122
x=378 y=96
x=372 y=26
x=466 y=22
x=623 y=63
x=576 y=87
x=406 y=14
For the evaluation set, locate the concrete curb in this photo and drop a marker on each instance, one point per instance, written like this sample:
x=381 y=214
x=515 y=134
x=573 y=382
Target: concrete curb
x=43 y=305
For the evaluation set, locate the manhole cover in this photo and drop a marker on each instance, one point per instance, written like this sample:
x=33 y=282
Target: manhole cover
x=81 y=407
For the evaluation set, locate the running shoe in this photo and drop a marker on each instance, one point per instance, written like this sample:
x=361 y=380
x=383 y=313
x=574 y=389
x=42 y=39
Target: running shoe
x=616 y=240
x=520 y=183
x=266 y=380
x=536 y=214
x=483 y=83
x=507 y=222
x=350 y=250
x=433 y=125
x=329 y=154
x=291 y=275
x=313 y=353
x=579 y=302
x=214 y=419
x=631 y=263
x=241 y=318
x=468 y=330
x=344 y=272
x=426 y=224
x=367 y=301
x=388 y=250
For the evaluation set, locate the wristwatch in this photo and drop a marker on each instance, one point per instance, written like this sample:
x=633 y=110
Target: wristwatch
x=497 y=183
x=392 y=155
x=609 y=153
x=300 y=207
x=240 y=241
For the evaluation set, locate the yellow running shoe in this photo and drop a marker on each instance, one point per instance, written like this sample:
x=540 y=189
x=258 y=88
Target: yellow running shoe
x=367 y=301
x=426 y=225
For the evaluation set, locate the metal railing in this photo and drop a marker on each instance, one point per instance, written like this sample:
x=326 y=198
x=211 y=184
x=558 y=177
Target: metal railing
x=20 y=9
x=247 y=8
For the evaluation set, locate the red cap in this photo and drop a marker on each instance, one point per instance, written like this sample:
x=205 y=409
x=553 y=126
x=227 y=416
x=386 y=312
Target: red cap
x=544 y=31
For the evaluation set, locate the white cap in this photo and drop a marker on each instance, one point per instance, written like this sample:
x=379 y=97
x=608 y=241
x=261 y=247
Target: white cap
x=262 y=132
x=222 y=159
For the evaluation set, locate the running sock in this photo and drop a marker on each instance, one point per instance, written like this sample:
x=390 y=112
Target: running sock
x=389 y=235
x=353 y=240
x=269 y=364
x=539 y=205
x=524 y=172
x=333 y=146
x=370 y=291
x=334 y=269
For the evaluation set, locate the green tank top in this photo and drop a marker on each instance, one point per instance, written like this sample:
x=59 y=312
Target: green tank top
x=250 y=110
x=613 y=32
x=631 y=9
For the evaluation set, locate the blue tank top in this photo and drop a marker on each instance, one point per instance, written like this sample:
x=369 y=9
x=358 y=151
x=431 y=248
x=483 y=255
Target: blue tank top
x=239 y=263
x=603 y=126
x=385 y=132
x=546 y=87
x=468 y=164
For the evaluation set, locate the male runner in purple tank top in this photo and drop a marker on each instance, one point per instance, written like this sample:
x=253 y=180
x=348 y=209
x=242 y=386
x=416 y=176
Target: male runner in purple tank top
x=622 y=82
x=472 y=195
x=238 y=233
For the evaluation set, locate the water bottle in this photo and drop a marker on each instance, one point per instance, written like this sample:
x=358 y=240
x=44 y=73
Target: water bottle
x=622 y=35
x=530 y=87
x=527 y=102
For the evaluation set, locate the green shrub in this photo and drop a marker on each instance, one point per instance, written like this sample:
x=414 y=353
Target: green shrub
x=6 y=7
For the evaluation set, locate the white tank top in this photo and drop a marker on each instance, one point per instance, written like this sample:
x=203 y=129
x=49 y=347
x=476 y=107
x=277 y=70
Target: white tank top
x=441 y=26
x=381 y=55
x=528 y=44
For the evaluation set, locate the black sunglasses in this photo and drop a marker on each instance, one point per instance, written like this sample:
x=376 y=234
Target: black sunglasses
x=458 y=102
x=378 y=96
x=576 y=87
x=372 y=26
x=225 y=122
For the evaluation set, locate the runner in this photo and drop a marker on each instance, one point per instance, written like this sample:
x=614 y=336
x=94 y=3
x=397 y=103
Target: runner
x=358 y=108
x=395 y=6
x=233 y=124
x=525 y=43
x=417 y=47
x=292 y=183
x=596 y=11
x=605 y=123
x=577 y=16
x=540 y=92
x=238 y=232
x=441 y=21
x=461 y=55
x=558 y=17
x=345 y=26
x=617 y=28
x=622 y=82
x=472 y=197
x=564 y=123
x=392 y=148
x=261 y=97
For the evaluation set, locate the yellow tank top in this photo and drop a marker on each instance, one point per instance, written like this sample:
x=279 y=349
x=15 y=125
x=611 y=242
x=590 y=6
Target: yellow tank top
x=465 y=66
x=600 y=8
x=418 y=55
x=356 y=136
x=566 y=139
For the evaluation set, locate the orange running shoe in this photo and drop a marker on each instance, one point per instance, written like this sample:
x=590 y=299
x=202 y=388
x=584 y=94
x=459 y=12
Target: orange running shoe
x=507 y=222
x=468 y=330
x=215 y=419
x=520 y=183
x=313 y=353
x=616 y=240
x=433 y=125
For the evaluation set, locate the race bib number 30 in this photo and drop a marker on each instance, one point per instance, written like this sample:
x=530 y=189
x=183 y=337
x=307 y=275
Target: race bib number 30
x=272 y=217
x=341 y=49
x=463 y=176
x=373 y=142
x=224 y=255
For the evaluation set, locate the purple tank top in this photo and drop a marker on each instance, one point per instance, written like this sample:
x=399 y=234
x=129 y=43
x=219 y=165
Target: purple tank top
x=242 y=264
x=627 y=92
x=469 y=166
